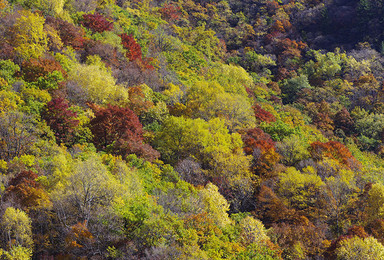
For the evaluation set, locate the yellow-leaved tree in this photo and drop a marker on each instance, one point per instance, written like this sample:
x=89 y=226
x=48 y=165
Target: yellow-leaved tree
x=217 y=206
x=94 y=82
x=360 y=248
x=30 y=39
x=17 y=229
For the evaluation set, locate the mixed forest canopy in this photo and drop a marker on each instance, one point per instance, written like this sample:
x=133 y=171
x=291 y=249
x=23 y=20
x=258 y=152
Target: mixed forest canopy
x=191 y=129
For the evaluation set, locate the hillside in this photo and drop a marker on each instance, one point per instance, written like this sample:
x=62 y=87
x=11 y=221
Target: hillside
x=191 y=129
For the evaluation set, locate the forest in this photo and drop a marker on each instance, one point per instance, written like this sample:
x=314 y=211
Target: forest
x=191 y=129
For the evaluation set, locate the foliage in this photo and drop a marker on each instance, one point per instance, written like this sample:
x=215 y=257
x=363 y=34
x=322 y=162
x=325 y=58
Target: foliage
x=211 y=101
x=69 y=34
x=181 y=137
x=82 y=194
x=60 y=119
x=95 y=83
x=8 y=70
x=374 y=208
x=216 y=204
x=17 y=134
x=96 y=22
x=118 y=130
x=27 y=191
x=293 y=149
x=355 y=247
x=303 y=191
x=253 y=232
x=34 y=69
x=30 y=38
x=17 y=228
x=133 y=51
x=262 y=148
x=291 y=87
x=270 y=113
x=333 y=150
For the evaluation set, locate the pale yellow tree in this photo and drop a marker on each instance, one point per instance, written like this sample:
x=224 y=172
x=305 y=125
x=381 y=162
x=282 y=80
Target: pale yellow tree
x=17 y=228
x=216 y=205
x=357 y=248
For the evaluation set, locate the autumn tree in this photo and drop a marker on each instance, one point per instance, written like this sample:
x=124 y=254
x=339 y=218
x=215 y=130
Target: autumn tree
x=16 y=226
x=216 y=204
x=17 y=134
x=93 y=82
x=119 y=130
x=8 y=70
x=121 y=121
x=69 y=34
x=97 y=22
x=260 y=145
x=292 y=87
x=356 y=247
x=132 y=47
x=293 y=149
x=263 y=115
x=376 y=229
x=138 y=100
x=303 y=191
x=334 y=150
x=60 y=119
x=253 y=232
x=191 y=171
x=300 y=240
x=374 y=209
x=271 y=209
x=209 y=100
x=29 y=193
x=30 y=38
x=88 y=189
x=79 y=236
x=182 y=137
x=170 y=12
x=35 y=68
x=344 y=121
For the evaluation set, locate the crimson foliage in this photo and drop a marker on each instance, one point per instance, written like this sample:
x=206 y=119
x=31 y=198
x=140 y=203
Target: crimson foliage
x=118 y=130
x=132 y=47
x=263 y=115
x=134 y=52
x=60 y=119
x=96 y=22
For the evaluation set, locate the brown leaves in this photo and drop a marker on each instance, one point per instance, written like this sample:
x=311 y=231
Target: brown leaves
x=27 y=191
x=79 y=236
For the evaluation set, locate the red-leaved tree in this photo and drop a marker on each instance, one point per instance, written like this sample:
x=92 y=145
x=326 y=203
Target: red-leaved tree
x=334 y=150
x=60 y=119
x=118 y=130
x=24 y=189
x=134 y=52
x=96 y=22
x=263 y=115
x=132 y=47
x=262 y=148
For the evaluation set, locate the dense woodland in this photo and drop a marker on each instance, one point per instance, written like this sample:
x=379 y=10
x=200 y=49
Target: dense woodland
x=191 y=129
